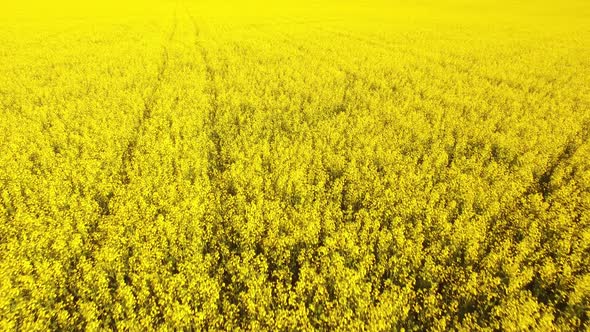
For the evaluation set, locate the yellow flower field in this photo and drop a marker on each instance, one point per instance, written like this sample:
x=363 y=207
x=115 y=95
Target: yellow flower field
x=363 y=165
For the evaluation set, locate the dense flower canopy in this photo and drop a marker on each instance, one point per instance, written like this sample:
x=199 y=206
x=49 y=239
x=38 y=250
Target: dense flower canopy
x=375 y=166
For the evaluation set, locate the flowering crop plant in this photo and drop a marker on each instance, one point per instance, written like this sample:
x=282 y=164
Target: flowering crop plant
x=368 y=165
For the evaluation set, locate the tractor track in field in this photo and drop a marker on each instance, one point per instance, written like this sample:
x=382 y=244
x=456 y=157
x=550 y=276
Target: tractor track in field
x=216 y=159
x=146 y=114
x=130 y=152
x=223 y=191
x=210 y=73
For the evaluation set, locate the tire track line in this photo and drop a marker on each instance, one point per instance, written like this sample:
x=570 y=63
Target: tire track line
x=221 y=237
x=216 y=160
x=129 y=153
